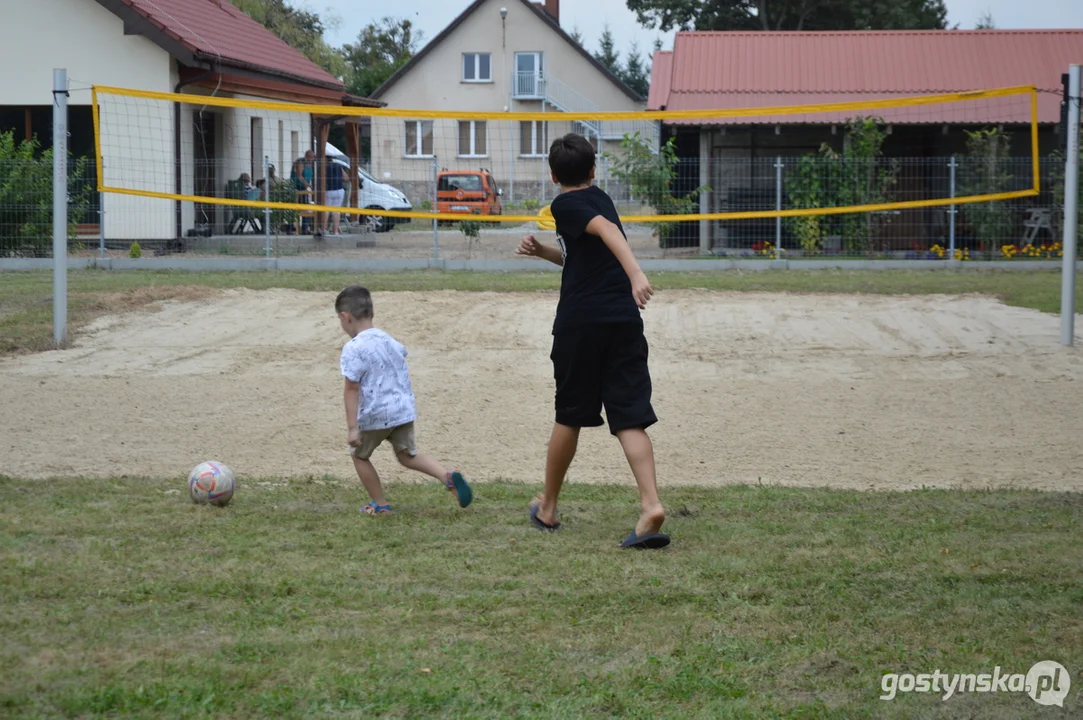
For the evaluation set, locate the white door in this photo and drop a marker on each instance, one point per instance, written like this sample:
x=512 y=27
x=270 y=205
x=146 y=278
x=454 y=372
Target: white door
x=528 y=74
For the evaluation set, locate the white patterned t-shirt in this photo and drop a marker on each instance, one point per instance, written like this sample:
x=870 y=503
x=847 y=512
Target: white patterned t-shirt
x=377 y=362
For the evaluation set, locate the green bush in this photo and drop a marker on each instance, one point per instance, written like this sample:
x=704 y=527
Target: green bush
x=283 y=193
x=651 y=176
x=856 y=176
x=986 y=170
x=470 y=228
x=1056 y=178
x=135 y=252
x=26 y=196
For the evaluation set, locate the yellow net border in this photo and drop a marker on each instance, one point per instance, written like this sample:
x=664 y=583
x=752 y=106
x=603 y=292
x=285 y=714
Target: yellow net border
x=336 y=111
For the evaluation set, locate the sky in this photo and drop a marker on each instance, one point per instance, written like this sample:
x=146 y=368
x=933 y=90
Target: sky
x=589 y=16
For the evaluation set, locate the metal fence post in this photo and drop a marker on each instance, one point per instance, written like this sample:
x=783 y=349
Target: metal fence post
x=435 y=208
x=267 y=209
x=60 y=206
x=778 y=206
x=1071 y=210
x=101 y=225
x=951 y=211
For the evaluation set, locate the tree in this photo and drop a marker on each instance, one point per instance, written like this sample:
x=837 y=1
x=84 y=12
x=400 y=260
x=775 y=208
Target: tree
x=651 y=175
x=858 y=175
x=381 y=49
x=985 y=22
x=576 y=35
x=635 y=74
x=986 y=170
x=607 y=54
x=300 y=29
x=791 y=14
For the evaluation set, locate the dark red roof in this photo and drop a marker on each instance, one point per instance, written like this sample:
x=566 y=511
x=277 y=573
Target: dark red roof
x=729 y=70
x=215 y=29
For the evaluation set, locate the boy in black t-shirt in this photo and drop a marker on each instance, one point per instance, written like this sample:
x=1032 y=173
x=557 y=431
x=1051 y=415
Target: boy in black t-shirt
x=599 y=351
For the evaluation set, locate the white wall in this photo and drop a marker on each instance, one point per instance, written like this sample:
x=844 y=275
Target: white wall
x=81 y=36
x=436 y=83
x=88 y=40
x=137 y=135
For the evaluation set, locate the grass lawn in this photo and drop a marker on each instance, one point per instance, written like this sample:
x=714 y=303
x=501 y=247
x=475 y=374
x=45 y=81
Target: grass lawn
x=26 y=297
x=121 y=598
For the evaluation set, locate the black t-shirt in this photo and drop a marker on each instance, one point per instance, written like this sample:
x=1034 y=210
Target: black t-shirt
x=334 y=176
x=594 y=289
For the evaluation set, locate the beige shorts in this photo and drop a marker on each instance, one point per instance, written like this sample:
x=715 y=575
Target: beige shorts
x=401 y=437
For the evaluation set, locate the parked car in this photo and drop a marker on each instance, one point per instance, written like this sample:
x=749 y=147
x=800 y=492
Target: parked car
x=375 y=195
x=470 y=192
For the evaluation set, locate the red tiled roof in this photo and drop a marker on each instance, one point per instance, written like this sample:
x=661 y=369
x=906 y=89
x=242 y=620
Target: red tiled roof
x=763 y=69
x=215 y=28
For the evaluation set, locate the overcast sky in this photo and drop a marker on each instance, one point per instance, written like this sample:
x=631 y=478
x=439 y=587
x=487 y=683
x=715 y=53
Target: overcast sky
x=431 y=16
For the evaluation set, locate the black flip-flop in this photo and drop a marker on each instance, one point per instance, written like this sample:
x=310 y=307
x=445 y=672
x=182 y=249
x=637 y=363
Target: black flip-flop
x=536 y=522
x=650 y=541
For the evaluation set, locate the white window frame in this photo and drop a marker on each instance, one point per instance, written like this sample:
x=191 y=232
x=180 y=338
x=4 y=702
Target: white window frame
x=473 y=139
x=539 y=140
x=415 y=126
x=477 y=67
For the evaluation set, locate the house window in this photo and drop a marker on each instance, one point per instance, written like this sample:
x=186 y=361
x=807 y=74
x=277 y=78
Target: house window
x=419 y=138
x=477 y=67
x=472 y=138
x=533 y=138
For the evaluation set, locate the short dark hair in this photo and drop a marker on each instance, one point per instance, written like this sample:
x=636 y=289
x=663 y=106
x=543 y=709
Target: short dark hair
x=355 y=300
x=571 y=158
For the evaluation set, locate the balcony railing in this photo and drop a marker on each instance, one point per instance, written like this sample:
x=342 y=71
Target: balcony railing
x=528 y=86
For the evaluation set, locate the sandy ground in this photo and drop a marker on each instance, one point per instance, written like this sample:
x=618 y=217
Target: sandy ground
x=845 y=391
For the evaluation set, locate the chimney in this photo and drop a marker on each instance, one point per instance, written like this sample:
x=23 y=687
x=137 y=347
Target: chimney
x=553 y=8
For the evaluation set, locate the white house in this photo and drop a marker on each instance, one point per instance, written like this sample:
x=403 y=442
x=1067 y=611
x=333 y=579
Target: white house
x=498 y=56
x=200 y=47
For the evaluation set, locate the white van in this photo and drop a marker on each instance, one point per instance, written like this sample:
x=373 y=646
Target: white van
x=373 y=195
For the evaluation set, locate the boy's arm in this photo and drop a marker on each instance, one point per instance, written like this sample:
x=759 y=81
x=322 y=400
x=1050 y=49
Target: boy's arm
x=351 y=395
x=618 y=245
x=530 y=246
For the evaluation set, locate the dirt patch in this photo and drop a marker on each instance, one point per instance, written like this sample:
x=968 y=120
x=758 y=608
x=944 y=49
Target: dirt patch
x=811 y=390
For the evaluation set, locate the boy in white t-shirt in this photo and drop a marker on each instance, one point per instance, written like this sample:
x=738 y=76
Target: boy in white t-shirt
x=380 y=401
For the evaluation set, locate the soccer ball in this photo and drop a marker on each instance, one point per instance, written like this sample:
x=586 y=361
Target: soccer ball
x=211 y=482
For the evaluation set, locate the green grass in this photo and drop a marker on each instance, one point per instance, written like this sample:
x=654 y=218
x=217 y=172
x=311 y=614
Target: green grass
x=26 y=298
x=122 y=599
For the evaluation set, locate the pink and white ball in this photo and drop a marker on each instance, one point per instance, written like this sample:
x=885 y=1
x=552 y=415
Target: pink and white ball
x=211 y=483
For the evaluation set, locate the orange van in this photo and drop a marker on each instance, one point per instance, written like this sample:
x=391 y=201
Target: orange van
x=470 y=192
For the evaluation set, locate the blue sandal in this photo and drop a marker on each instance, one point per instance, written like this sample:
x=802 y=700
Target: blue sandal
x=374 y=509
x=456 y=483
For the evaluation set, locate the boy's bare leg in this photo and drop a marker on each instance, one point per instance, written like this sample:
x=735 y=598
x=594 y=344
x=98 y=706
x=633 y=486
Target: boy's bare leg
x=562 y=445
x=370 y=479
x=640 y=453
x=423 y=464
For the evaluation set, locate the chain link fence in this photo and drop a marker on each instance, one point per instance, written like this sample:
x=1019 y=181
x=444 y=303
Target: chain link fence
x=122 y=226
